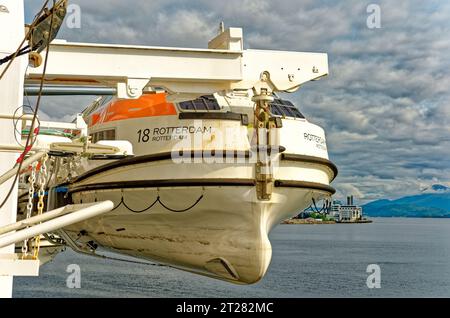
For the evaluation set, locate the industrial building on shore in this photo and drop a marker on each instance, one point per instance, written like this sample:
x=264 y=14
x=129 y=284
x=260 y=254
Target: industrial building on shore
x=346 y=213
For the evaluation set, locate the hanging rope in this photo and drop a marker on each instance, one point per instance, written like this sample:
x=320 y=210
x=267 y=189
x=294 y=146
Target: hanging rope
x=18 y=119
x=122 y=202
x=129 y=261
x=139 y=211
x=316 y=208
x=326 y=207
x=181 y=211
x=61 y=242
x=158 y=200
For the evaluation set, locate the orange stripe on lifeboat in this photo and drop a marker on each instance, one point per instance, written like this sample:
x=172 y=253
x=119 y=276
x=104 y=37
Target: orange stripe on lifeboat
x=150 y=105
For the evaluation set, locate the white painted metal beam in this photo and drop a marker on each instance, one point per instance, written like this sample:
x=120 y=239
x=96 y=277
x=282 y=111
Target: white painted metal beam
x=11 y=265
x=26 y=119
x=40 y=218
x=231 y=39
x=179 y=70
x=60 y=222
x=14 y=148
x=16 y=117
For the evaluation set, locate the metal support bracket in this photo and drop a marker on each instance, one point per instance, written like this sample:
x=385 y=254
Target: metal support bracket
x=263 y=126
x=131 y=88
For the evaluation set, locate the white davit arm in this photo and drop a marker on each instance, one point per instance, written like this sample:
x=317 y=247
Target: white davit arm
x=181 y=71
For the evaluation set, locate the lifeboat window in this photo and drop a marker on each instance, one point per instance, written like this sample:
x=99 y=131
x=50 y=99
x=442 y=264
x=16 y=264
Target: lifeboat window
x=276 y=110
x=105 y=100
x=187 y=105
x=99 y=102
x=204 y=104
x=288 y=112
x=285 y=108
x=104 y=135
x=200 y=104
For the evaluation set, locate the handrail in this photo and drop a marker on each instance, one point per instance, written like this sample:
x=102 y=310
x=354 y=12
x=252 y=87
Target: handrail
x=12 y=172
x=41 y=218
x=56 y=223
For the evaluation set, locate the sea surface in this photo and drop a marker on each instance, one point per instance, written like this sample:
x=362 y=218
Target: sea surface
x=308 y=261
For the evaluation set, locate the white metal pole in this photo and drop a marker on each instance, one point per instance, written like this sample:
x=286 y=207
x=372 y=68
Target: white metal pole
x=43 y=217
x=12 y=172
x=58 y=223
x=18 y=149
x=11 y=116
x=33 y=220
x=11 y=96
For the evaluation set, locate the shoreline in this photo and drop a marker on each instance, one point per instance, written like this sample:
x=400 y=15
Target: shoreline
x=410 y=217
x=312 y=222
x=306 y=221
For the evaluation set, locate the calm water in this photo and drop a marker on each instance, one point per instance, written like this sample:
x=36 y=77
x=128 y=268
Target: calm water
x=308 y=261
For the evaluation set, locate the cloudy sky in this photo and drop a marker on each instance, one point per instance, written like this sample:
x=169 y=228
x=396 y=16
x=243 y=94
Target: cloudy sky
x=385 y=106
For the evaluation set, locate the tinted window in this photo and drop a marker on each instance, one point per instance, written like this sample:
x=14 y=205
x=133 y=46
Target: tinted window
x=285 y=108
x=187 y=105
x=204 y=103
x=104 y=135
x=276 y=110
x=200 y=104
x=287 y=103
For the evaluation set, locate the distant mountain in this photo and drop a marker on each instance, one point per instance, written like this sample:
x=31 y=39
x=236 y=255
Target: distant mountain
x=439 y=187
x=434 y=202
x=436 y=188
